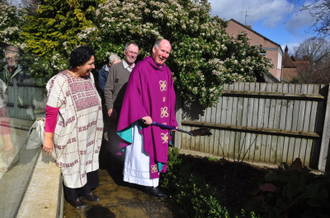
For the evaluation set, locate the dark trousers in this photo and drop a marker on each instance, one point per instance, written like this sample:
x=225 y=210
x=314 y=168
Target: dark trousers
x=72 y=194
x=117 y=161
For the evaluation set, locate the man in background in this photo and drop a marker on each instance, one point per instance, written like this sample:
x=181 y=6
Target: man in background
x=114 y=92
x=12 y=69
x=104 y=72
x=11 y=77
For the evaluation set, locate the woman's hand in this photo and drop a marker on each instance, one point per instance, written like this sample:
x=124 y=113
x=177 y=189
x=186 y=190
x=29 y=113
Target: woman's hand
x=48 y=143
x=8 y=146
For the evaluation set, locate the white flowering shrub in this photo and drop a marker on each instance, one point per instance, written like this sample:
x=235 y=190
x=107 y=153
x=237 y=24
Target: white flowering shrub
x=203 y=55
x=11 y=20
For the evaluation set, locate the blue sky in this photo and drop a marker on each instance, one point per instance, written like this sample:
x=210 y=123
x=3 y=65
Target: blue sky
x=275 y=19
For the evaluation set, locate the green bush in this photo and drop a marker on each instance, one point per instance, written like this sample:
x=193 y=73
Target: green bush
x=53 y=32
x=203 y=57
x=293 y=192
x=192 y=193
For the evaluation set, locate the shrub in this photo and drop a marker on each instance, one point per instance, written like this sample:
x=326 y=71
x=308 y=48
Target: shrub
x=293 y=192
x=11 y=21
x=191 y=192
x=203 y=56
x=53 y=32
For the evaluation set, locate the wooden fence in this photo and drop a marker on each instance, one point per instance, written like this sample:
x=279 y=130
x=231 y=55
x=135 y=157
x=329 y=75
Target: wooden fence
x=26 y=101
x=262 y=122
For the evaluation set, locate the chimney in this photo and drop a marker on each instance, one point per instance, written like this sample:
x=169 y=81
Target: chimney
x=249 y=27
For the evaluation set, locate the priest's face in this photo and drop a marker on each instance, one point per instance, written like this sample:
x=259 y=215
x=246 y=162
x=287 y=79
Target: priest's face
x=161 y=53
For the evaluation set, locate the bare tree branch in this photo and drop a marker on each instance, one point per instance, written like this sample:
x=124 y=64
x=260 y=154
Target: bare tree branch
x=320 y=10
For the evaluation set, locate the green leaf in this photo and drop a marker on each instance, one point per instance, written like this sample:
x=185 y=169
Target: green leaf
x=322 y=195
x=281 y=205
x=310 y=191
x=313 y=203
x=293 y=187
x=271 y=177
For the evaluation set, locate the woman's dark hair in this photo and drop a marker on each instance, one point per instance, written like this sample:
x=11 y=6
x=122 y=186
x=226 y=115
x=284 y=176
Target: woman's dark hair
x=79 y=56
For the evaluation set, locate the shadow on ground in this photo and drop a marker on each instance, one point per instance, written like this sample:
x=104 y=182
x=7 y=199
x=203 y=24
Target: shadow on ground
x=99 y=212
x=122 y=200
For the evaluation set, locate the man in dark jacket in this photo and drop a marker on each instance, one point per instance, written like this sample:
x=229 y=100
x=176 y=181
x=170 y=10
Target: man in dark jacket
x=104 y=72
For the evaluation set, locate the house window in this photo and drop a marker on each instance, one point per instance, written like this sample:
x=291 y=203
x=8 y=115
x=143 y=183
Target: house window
x=279 y=61
x=263 y=53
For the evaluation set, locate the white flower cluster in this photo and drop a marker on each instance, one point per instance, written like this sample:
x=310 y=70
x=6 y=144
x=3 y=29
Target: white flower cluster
x=10 y=20
x=86 y=32
x=10 y=30
x=203 y=55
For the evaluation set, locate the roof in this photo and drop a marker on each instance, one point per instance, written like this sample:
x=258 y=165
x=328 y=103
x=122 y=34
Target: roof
x=302 y=64
x=287 y=61
x=256 y=33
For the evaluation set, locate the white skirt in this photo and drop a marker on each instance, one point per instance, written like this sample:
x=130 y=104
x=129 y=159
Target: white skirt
x=137 y=162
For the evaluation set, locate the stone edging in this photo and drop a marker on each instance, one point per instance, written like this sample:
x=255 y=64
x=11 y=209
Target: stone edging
x=44 y=195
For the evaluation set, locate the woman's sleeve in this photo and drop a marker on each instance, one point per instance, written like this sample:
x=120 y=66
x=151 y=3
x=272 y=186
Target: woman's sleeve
x=56 y=97
x=51 y=118
x=57 y=91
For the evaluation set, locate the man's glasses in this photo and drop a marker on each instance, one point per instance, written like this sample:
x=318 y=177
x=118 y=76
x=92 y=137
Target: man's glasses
x=8 y=58
x=135 y=53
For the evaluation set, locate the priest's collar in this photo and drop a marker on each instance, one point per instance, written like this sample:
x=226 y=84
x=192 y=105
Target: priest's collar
x=156 y=64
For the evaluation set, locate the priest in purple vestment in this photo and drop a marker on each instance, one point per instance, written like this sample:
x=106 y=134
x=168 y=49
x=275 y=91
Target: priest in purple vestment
x=149 y=97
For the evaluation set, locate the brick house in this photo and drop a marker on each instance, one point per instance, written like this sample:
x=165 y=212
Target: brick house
x=290 y=68
x=273 y=50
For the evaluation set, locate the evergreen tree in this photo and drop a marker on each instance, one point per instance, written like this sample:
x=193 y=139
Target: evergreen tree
x=56 y=22
x=51 y=33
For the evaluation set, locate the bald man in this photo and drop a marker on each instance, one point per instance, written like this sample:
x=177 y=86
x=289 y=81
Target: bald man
x=149 y=97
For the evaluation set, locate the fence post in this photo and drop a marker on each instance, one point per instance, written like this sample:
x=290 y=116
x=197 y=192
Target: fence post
x=178 y=116
x=325 y=136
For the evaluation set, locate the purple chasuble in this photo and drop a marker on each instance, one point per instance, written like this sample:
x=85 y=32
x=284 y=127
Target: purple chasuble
x=150 y=92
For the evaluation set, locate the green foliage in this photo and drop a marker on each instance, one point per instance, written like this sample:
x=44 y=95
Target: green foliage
x=39 y=67
x=212 y=158
x=52 y=32
x=54 y=27
x=191 y=192
x=203 y=55
x=293 y=192
x=11 y=20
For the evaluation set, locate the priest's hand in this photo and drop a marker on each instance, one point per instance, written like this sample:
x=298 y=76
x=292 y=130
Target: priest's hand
x=147 y=120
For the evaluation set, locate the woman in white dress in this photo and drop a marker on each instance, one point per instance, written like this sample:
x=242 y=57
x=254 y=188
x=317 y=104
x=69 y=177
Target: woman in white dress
x=74 y=127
